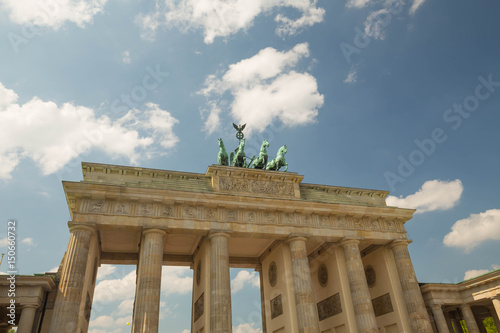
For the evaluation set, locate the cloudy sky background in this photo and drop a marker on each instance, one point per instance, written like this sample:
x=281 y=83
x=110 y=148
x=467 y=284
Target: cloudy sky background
x=401 y=95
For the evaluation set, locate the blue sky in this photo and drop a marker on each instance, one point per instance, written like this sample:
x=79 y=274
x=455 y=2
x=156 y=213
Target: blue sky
x=402 y=95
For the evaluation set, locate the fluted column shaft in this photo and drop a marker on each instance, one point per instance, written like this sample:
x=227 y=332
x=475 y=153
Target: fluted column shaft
x=27 y=318
x=262 y=299
x=361 y=299
x=148 y=286
x=307 y=313
x=69 y=295
x=470 y=321
x=439 y=318
x=415 y=305
x=496 y=306
x=220 y=284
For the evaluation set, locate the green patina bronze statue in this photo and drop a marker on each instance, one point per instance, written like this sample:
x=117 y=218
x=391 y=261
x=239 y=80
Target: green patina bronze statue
x=222 y=158
x=279 y=161
x=261 y=161
x=239 y=159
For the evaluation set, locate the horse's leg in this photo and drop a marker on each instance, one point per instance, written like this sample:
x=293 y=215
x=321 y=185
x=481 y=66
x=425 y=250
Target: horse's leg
x=286 y=168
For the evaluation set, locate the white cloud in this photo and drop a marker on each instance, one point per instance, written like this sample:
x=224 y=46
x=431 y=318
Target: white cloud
x=476 y=272
x=53 y=135
x=357 y=3
x=264 y=88
x=472 y=231
x=416 y=5
x=244 y=278
x=186 y=331
x=52 y=14
x=352 y=77
x=126 y=307
x=53 y=269
x=102 y=321
x=126 y=57
x=28 y=241
x=222 y=18
x=175 y=281
x=433 y=195
x=246 y=328
x=119 y=289
x=376 y=22
x=4 y=242
x=104 y=271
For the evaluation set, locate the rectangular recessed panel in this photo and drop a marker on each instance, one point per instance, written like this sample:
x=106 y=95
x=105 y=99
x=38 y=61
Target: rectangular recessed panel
x=382 y=305
x=199 y=307
x=276 y=307
x=329 y=307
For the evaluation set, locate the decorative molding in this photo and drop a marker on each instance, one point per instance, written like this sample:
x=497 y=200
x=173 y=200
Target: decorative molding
x=370 y=275
x=329 y=307
x=180 y=210
x=323 y=275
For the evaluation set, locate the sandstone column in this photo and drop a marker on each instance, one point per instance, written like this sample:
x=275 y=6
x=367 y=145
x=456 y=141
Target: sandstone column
x=470 y=321
x=220 y=284
x=148 y=285
x=441 y=324
x=262 y=298
x=361 y=299
x=415 y=305
x=27 y=318
x=307 y=314
x=69 y=295
x=496 y=305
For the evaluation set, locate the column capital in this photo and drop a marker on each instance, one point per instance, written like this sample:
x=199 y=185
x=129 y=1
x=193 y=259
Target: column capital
x=26 y=306
x=346 y=241
x=258 y=268
x=153 y=230
x=219 y=233
x=296 y=237
x=74 y=226
x=399 y=242
x=436 y=306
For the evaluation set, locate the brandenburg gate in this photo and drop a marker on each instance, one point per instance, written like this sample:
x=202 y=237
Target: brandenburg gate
x=331 y=259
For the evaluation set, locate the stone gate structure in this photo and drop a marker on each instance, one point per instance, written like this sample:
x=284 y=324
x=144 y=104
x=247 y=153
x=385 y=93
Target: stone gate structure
x=331 y=259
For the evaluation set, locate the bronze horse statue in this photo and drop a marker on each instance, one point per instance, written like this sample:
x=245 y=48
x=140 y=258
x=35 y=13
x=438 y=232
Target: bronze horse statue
x=222 y=157
x=261 y=161
x=279 y=161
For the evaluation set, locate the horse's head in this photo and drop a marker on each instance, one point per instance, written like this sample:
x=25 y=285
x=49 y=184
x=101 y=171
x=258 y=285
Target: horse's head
x=283 y=150
x=265 y=144
x=221 y=143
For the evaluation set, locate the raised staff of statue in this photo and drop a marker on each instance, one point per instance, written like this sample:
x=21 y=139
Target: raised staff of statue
x=279 y=161
x=261 y=161
x=239 y=159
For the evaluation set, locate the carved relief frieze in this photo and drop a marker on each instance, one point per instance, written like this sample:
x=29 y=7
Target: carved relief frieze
x=210 y=214
x=243 y=185
x=122 y=208
x=167 y=211
x=250 y=217
x=231 y=215
x=145 y=209
x=289 y=219
x=97 y=206
x=274 y=217
x=329 y=307
x=382 y=305
x=270 y=217
x=199 y=307
x=190 y=212
x=276 y=307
